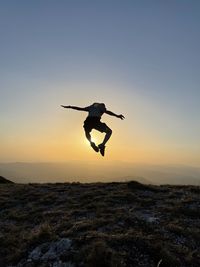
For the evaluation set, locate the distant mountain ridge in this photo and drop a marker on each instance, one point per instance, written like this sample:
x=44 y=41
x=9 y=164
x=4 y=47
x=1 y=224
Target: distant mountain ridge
x=5 y=181
x=86 y=171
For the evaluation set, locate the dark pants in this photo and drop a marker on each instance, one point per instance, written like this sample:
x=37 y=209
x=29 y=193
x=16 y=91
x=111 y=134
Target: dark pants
x=95 y=123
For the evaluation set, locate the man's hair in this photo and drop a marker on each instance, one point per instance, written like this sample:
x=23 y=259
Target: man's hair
x=99 y=104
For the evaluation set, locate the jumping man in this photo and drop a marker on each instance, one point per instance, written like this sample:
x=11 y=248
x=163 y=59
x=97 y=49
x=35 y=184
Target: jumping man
x=93 y=121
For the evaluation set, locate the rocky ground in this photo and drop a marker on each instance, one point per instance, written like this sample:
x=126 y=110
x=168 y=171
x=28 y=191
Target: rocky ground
x=99 y=225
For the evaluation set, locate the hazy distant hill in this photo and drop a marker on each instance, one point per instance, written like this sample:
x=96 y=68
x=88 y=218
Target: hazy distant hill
x=4 y=180
x=99 y=225
x=81 y=171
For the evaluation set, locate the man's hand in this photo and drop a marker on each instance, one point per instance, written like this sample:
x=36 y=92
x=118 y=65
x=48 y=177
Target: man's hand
x=121 y=117
x=65 y=106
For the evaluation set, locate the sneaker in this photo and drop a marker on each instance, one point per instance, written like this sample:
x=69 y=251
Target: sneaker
x=102 y=149
x=94 y=147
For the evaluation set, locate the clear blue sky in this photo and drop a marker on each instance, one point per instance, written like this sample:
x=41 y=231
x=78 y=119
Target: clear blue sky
x=140 y=57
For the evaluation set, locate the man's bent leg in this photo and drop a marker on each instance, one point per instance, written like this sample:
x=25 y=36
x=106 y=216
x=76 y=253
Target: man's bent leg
x=88 y=136
x=107 y=136
x=102 y=146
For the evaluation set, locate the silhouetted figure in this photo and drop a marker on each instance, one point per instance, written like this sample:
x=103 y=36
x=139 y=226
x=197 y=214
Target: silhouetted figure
x=93 y=121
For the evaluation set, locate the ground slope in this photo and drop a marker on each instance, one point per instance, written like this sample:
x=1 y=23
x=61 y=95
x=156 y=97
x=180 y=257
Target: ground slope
x=99 y=225
x=4 y=180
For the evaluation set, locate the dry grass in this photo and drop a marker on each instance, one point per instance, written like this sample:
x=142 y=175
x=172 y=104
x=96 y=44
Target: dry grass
x=110 y=224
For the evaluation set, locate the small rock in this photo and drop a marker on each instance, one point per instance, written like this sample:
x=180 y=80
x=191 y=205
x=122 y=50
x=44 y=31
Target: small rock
x=35 y=254
x=50 y=251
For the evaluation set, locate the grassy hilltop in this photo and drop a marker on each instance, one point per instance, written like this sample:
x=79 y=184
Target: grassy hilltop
x=99 y=225
x=5 y=181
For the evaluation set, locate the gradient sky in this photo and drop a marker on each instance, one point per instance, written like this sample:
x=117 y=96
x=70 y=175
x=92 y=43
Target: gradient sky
x=141 y=58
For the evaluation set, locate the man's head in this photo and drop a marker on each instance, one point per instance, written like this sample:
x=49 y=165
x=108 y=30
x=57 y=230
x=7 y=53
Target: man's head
x=99 y=105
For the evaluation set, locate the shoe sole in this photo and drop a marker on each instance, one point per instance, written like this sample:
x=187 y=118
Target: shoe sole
x=96 y=149
x=102 y=150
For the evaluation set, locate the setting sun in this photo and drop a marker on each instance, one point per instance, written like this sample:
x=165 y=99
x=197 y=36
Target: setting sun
x=97 y=138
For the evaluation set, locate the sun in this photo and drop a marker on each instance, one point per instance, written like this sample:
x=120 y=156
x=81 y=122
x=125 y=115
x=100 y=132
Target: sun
x=96 y=137
x=93 y=140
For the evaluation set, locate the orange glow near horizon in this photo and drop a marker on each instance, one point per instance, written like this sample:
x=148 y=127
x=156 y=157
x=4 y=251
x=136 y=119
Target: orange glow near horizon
x=56 y=134
x=65 y=147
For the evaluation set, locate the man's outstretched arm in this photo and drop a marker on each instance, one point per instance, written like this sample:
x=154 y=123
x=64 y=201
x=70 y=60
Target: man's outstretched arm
x=74 y=107
x=113 y=114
